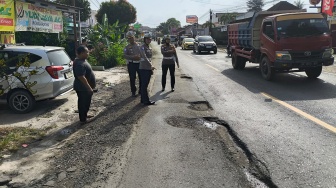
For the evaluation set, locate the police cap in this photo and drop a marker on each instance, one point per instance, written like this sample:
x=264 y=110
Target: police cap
x=129 y=34
x=147 y=35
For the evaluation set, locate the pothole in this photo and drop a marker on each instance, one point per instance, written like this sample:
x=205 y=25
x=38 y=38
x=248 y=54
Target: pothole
x=182 y=122
x=200 y=106
x=256 y=172
x=186 y=76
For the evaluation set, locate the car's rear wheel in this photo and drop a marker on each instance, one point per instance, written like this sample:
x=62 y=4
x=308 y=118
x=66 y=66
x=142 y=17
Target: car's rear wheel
x=314 y=72
x=21 y=101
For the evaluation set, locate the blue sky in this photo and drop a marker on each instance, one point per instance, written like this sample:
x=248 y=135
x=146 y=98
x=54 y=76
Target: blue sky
x=153 y=12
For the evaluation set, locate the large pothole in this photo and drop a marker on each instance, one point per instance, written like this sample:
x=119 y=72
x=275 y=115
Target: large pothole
x=200 y=106
x=255 y=170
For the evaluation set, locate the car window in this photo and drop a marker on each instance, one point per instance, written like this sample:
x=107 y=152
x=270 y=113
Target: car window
x=189 y=40
x=58 y=57
x=205 y=39
x=12 y=58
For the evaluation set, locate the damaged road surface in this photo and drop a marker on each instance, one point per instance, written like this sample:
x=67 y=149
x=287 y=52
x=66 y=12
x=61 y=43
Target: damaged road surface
x=174 y=143
x=210 y=132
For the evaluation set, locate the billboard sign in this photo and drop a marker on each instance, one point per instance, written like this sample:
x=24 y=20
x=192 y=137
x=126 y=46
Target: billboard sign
x=7 y=15
x=327 y=7
x=192 y=19
x=37 y=19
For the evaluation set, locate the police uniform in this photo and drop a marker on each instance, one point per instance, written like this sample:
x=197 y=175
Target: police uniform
x=146 y=70
x=168 y=62
x=132 y=63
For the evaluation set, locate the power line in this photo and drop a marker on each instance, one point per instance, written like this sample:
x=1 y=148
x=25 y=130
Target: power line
x=200 y=1
x=98 y=2
x=94 y=3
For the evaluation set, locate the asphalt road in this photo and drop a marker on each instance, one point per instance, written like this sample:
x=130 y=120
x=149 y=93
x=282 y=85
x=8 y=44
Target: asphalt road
x=287 y=125
x=220 y=128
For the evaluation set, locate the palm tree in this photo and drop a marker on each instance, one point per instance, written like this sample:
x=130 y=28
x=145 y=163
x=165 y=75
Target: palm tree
x=299 y=4
x=208 y=24
x=227 y=18
x=255 y=5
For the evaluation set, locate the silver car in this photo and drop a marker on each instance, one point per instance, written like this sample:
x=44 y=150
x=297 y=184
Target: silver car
x=33 y=73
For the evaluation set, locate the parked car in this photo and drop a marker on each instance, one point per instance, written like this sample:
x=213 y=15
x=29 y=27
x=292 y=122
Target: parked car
x=34 y=73
x=204 y=43
x=181 y=39
x=187 y=43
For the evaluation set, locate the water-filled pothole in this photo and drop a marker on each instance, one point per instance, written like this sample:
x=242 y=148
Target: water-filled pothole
x=200 y=106
x=186 y=76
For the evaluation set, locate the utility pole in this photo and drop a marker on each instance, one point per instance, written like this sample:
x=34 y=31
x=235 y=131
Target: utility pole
x=210 y=22
x=74 y=27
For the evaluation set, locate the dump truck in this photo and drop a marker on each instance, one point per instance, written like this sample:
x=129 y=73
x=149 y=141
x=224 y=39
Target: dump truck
x=281 y=42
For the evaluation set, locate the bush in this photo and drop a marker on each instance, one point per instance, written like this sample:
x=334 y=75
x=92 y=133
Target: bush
x=108 y=56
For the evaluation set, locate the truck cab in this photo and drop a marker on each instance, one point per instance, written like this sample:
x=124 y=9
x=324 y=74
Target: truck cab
x=286 y=42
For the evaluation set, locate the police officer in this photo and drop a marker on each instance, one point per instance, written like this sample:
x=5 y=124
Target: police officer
x=146 y=69
x=132 y=56
x=168 y=62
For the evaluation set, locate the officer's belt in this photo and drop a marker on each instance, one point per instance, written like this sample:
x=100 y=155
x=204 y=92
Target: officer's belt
x=168 y=57
x=134 y=61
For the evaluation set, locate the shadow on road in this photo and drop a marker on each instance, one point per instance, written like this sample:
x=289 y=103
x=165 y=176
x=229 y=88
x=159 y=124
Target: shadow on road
x=8 y=116
x=284 y=86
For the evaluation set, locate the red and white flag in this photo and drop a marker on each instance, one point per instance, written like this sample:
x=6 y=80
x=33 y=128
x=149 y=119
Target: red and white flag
x=327 y=7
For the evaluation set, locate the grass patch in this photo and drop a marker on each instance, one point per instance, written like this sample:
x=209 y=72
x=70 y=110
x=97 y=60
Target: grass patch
x=11 y=138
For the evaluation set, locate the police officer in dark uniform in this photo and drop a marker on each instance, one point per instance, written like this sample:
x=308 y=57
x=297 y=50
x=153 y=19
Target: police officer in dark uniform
x=168 y=62
x=146 y=69
x=132 y=55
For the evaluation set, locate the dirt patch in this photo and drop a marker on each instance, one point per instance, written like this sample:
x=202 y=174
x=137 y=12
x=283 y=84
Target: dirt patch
x=30 y=164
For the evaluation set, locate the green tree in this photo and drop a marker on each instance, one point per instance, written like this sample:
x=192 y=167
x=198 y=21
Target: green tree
x=163 y=28
x=85 y=12
x=166 y=27
x=107 y=44
x=208 y=24
x=299 y=4
x=255 y=5
x=120 y=10
x=227 y=18
x=173 y=23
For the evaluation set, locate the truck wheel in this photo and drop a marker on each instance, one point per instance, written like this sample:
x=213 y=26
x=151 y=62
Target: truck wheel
x=21 y=101
x=266 y=70
x=238 y=62
x=313 y=72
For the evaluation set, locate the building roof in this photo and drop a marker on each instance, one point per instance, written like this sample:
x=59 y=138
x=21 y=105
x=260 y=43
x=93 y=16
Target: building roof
x=283 y=5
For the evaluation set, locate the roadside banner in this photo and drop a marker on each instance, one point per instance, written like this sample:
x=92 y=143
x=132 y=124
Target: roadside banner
x=7 y=15
x=327 y=7
x=37 y=19
x=7 y=37
x=192 y=19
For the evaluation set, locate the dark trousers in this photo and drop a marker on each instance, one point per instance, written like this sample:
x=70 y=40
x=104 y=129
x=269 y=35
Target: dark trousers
x=84 y=102
x=145 y=78
x=133 y=69
x=172 y=75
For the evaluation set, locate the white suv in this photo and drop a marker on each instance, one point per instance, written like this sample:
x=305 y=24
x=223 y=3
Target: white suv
x=33 y=73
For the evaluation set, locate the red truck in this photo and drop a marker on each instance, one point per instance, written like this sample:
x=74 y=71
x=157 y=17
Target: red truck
x=281 y=42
